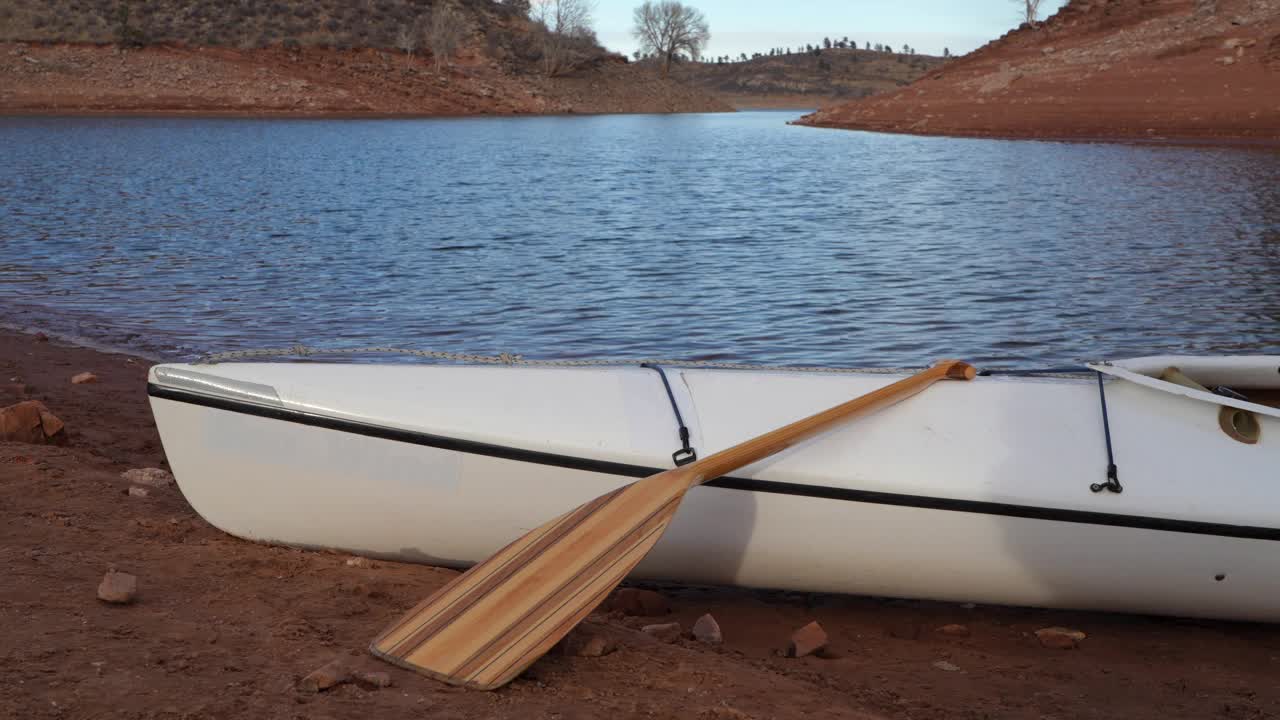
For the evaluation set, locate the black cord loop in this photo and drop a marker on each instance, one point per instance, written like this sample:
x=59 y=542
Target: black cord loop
x=1113 y=478
x=686 y=454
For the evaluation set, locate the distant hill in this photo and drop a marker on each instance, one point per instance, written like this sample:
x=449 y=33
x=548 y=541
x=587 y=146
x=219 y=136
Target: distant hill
x=303 y=57
x=1151 y=69
x=831 y=75
x=231 y=23
x=491 y=28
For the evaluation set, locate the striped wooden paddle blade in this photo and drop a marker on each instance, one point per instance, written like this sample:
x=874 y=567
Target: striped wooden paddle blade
x=493 y=621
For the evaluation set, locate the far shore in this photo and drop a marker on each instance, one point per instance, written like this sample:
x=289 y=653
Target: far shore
x=174 y=80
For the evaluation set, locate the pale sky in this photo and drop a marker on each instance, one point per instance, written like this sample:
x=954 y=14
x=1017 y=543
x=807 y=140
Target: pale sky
x=747 y=26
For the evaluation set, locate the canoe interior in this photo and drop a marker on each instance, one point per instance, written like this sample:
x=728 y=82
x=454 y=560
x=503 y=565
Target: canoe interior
x=1256 y=377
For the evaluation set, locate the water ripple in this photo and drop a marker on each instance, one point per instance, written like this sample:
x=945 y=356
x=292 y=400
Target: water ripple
x=731 y=237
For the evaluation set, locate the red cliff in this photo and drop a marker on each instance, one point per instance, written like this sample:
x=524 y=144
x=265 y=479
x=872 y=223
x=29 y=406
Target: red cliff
x=1103 y=69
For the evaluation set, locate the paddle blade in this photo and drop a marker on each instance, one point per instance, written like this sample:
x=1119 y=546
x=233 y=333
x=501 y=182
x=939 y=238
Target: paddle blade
x=493 y=621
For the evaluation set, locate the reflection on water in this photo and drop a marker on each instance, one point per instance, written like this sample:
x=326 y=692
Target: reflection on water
x=698 y=236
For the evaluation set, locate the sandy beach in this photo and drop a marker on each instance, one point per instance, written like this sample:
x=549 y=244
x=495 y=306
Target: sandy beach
x=221 y=627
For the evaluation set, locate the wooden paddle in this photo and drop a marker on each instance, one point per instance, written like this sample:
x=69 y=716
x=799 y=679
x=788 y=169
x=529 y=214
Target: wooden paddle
x=493 y=621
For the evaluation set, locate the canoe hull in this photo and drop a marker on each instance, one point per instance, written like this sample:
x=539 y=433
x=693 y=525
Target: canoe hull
x=297 y=478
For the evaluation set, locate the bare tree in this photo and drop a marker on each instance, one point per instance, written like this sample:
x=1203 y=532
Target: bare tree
x=564 y=28
x=447 y=27
x=564 y=17
x=668 y=28
x=408 y=39
x=1029 y=10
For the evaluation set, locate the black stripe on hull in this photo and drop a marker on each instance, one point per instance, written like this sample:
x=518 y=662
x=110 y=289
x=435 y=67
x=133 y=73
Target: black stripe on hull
x=570 y=462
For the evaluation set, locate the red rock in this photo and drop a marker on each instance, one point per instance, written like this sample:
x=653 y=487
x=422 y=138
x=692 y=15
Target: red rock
x=373 y=679
x=118 y=588
x=361 y=562
x=136 y=491
x=807 y=640
x=707 y=630
x=334 y=673
x=634 y=601
x=84 y=378
x=1059 y=638
x=666 y=632
x=151 y=477
x=586 y=642
x=30 y=422
x=947 y=666
x=953 y=630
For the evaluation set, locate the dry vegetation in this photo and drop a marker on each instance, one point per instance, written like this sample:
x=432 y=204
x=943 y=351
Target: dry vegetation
x=407 y=25
x=834 y=73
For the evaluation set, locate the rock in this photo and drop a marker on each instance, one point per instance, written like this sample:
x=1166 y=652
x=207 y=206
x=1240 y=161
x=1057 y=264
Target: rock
x=361 y=562
x=953 y=630
x=17 y=390
x=84 y=378
x=136 y=491
x=41 y=337
x=151 y=477
x=807 y=640
x=665 y=632
x=949 y=667
x=634 y=601
x=334 y=673
x=707 y=630
x=1232 y=43
x=1226 y=60
x=30 y=422
x=1048 y=50
x=586 y=642
x=376 y=680
x=1059 y=638
x=118 y=588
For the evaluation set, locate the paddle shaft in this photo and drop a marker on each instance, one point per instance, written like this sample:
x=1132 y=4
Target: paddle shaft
x=758 y=448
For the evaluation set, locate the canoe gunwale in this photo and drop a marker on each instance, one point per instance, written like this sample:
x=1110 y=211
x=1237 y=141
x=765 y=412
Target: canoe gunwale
x=983 y=507
x=1147 y=381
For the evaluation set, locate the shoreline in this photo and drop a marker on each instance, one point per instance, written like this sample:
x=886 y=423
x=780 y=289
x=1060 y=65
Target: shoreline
x=1111 y=138
x=226 y=627
x=323 y=115
x=179 y=80
x=1207 y=141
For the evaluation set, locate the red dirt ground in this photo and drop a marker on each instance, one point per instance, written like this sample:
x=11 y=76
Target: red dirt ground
x=92 y=79
x=227 y=628
x=1104 y=69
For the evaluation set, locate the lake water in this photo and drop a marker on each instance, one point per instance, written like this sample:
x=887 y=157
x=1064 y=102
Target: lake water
x=731 y=237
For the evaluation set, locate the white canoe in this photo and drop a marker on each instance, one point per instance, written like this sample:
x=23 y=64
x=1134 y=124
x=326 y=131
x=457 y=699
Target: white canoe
x=976 y=491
